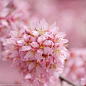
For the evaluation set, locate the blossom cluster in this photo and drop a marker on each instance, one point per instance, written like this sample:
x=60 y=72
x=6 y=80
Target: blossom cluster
x=38 y=51
x=75 y=67
x=11 y=14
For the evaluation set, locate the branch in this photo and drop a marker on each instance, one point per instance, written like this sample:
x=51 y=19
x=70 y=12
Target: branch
x=63 y=79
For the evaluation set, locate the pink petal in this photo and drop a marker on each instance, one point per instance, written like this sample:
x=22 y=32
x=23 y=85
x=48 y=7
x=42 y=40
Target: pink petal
x=14 y=34
x=63 y=41
x=21 y=42
x=40 y=51
x=41 y=39
x=31 y=66
x=48 y=35
x=28 y=76
x=25 y=48
x=38 y=70
x=61 y=35
x=48 y=50
x=48 y=42
x=35 y=33
x=14 y=54
x=38 y=57
x=29 y=56
x=54 y=30
x=32 y=39
x=4 y=22
x=34 y=44
x=83 y=81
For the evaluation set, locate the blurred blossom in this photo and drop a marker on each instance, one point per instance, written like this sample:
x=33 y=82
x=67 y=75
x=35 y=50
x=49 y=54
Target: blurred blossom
x=0 y=50
x=11 y=14
x=75 y=67
x=83 y=81
x=38 y=52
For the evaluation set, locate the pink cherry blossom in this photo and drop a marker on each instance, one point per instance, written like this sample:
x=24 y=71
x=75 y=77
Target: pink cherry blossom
x=0 y=50
x=75 y=67
x=35 y=54
x=83 y=81
x=12 y=15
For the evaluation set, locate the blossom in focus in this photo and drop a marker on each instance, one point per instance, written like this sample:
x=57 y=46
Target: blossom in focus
x=75 y=67
x=38 y=51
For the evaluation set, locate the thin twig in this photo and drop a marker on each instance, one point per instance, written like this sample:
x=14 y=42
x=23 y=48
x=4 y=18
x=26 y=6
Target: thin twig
x=63 y=79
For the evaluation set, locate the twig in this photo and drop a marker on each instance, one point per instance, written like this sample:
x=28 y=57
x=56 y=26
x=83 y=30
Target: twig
x=63 y=79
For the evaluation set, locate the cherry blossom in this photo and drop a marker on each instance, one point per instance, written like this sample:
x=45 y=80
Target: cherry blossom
x=75 y=67
x=39 y=52
x=11 y=14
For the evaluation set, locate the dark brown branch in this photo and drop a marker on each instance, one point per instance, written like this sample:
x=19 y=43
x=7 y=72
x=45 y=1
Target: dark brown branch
x=63 y=79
